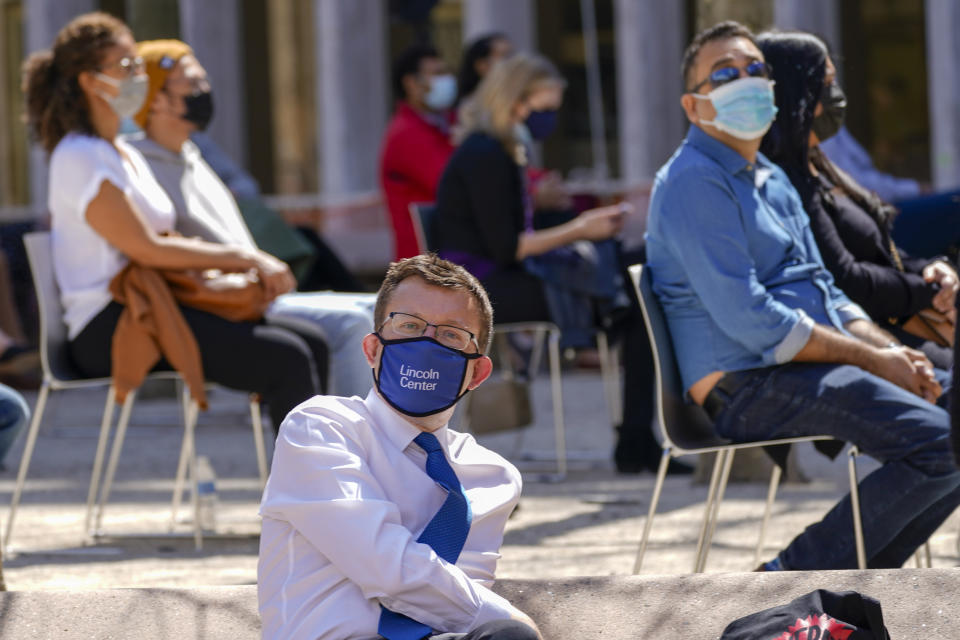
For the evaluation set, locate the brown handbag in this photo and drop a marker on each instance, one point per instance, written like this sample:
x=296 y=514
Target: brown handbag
x=931 y=325
x=499 y=404
x=239 y=297
x=928 y=324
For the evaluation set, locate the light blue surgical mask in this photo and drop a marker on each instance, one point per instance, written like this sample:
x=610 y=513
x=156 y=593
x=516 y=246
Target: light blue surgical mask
x=133 y=91
x=443 y=91
x=745 y=107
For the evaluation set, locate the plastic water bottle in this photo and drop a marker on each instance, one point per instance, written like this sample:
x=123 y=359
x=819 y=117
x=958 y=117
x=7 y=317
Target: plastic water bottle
x=206 y=494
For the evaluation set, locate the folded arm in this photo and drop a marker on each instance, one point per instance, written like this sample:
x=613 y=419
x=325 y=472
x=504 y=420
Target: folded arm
x=112 y=215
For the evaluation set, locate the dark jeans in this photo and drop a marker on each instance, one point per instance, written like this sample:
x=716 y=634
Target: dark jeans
x=902 y=503
x=495 y=630
x=14 y=416
x=280 y=365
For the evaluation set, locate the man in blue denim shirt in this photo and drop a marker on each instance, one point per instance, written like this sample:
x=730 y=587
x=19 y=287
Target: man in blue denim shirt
x=765 y=341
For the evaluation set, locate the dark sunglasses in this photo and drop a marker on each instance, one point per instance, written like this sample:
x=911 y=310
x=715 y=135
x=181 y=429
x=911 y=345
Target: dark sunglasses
x=725 y=75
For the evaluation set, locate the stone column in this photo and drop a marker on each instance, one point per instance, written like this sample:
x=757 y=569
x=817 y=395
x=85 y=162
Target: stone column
x=650 y=38
x=352 y=92
x=943 y=78
x=515 y=18
x=214 y=29
x=42 y=20
x=819 y=17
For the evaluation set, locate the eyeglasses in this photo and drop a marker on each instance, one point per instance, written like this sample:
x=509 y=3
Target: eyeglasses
x=725 y=75
x=411 y=326
x=129 y=66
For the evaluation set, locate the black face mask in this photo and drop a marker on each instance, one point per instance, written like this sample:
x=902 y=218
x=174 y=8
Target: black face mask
x=834 y=104
x=199 y=109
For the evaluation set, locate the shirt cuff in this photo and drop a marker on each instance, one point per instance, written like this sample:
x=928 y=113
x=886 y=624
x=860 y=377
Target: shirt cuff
x=850 y=312
x=796 y=340
x=494 y=607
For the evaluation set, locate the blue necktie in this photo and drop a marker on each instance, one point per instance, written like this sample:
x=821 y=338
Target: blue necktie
x=445 y=534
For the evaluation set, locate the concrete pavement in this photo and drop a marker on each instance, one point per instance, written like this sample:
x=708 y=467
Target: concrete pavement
x=589 y=524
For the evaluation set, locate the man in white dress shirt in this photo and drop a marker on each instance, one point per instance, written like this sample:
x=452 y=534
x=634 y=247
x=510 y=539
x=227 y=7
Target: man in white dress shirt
x=378 y=520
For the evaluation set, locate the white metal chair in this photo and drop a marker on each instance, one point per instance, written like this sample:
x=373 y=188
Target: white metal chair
x=59 y=374
x=687 y=430
x=423 y=216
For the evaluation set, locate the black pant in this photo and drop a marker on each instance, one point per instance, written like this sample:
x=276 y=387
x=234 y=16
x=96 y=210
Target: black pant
x=281 y=365
x=516 y=296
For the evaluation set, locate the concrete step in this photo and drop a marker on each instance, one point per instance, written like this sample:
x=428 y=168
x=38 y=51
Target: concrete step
x=917 y=603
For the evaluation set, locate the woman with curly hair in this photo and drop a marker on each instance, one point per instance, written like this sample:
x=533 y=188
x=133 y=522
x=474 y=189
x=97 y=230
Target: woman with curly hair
x=107 y=210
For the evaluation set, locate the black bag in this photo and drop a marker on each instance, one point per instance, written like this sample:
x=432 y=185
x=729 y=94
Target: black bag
x=819 y=615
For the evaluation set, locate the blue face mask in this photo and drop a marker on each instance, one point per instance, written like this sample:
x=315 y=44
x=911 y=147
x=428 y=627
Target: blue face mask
x=541 y=123
x=745 y=107
x=419 y=376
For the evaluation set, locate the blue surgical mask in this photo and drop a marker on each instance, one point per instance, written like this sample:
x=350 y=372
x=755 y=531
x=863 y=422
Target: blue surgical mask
x=419 y=376
x=541 y=123
x=443 y=91
x=745 y=107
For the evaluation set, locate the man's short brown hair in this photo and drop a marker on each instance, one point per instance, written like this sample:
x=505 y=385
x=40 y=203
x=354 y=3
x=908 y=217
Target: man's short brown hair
x=720 y=31
x=440 y=273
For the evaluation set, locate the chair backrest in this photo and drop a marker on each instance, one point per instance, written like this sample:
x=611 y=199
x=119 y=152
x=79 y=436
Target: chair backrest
x=683 y=425
x=53 y=331
x=424 y=216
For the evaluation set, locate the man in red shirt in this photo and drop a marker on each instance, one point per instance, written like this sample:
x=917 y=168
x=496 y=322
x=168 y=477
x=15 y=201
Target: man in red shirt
x=417 y=144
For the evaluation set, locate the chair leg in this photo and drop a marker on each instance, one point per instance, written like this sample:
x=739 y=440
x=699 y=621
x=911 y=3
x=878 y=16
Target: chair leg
x=114 y=457
x=184 y=395
x=258 y=442
x=105 y=423
x=923 y=556
x=855 y=506
x=771 y=494
x=556 y=385
x=25 y=459
x=721 y=457
x=609 y=376
x=715 y=512
x=536 y=354
x=189 y=438
x=652 y=511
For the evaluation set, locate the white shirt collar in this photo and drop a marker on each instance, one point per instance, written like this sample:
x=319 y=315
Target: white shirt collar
x=398 y=430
